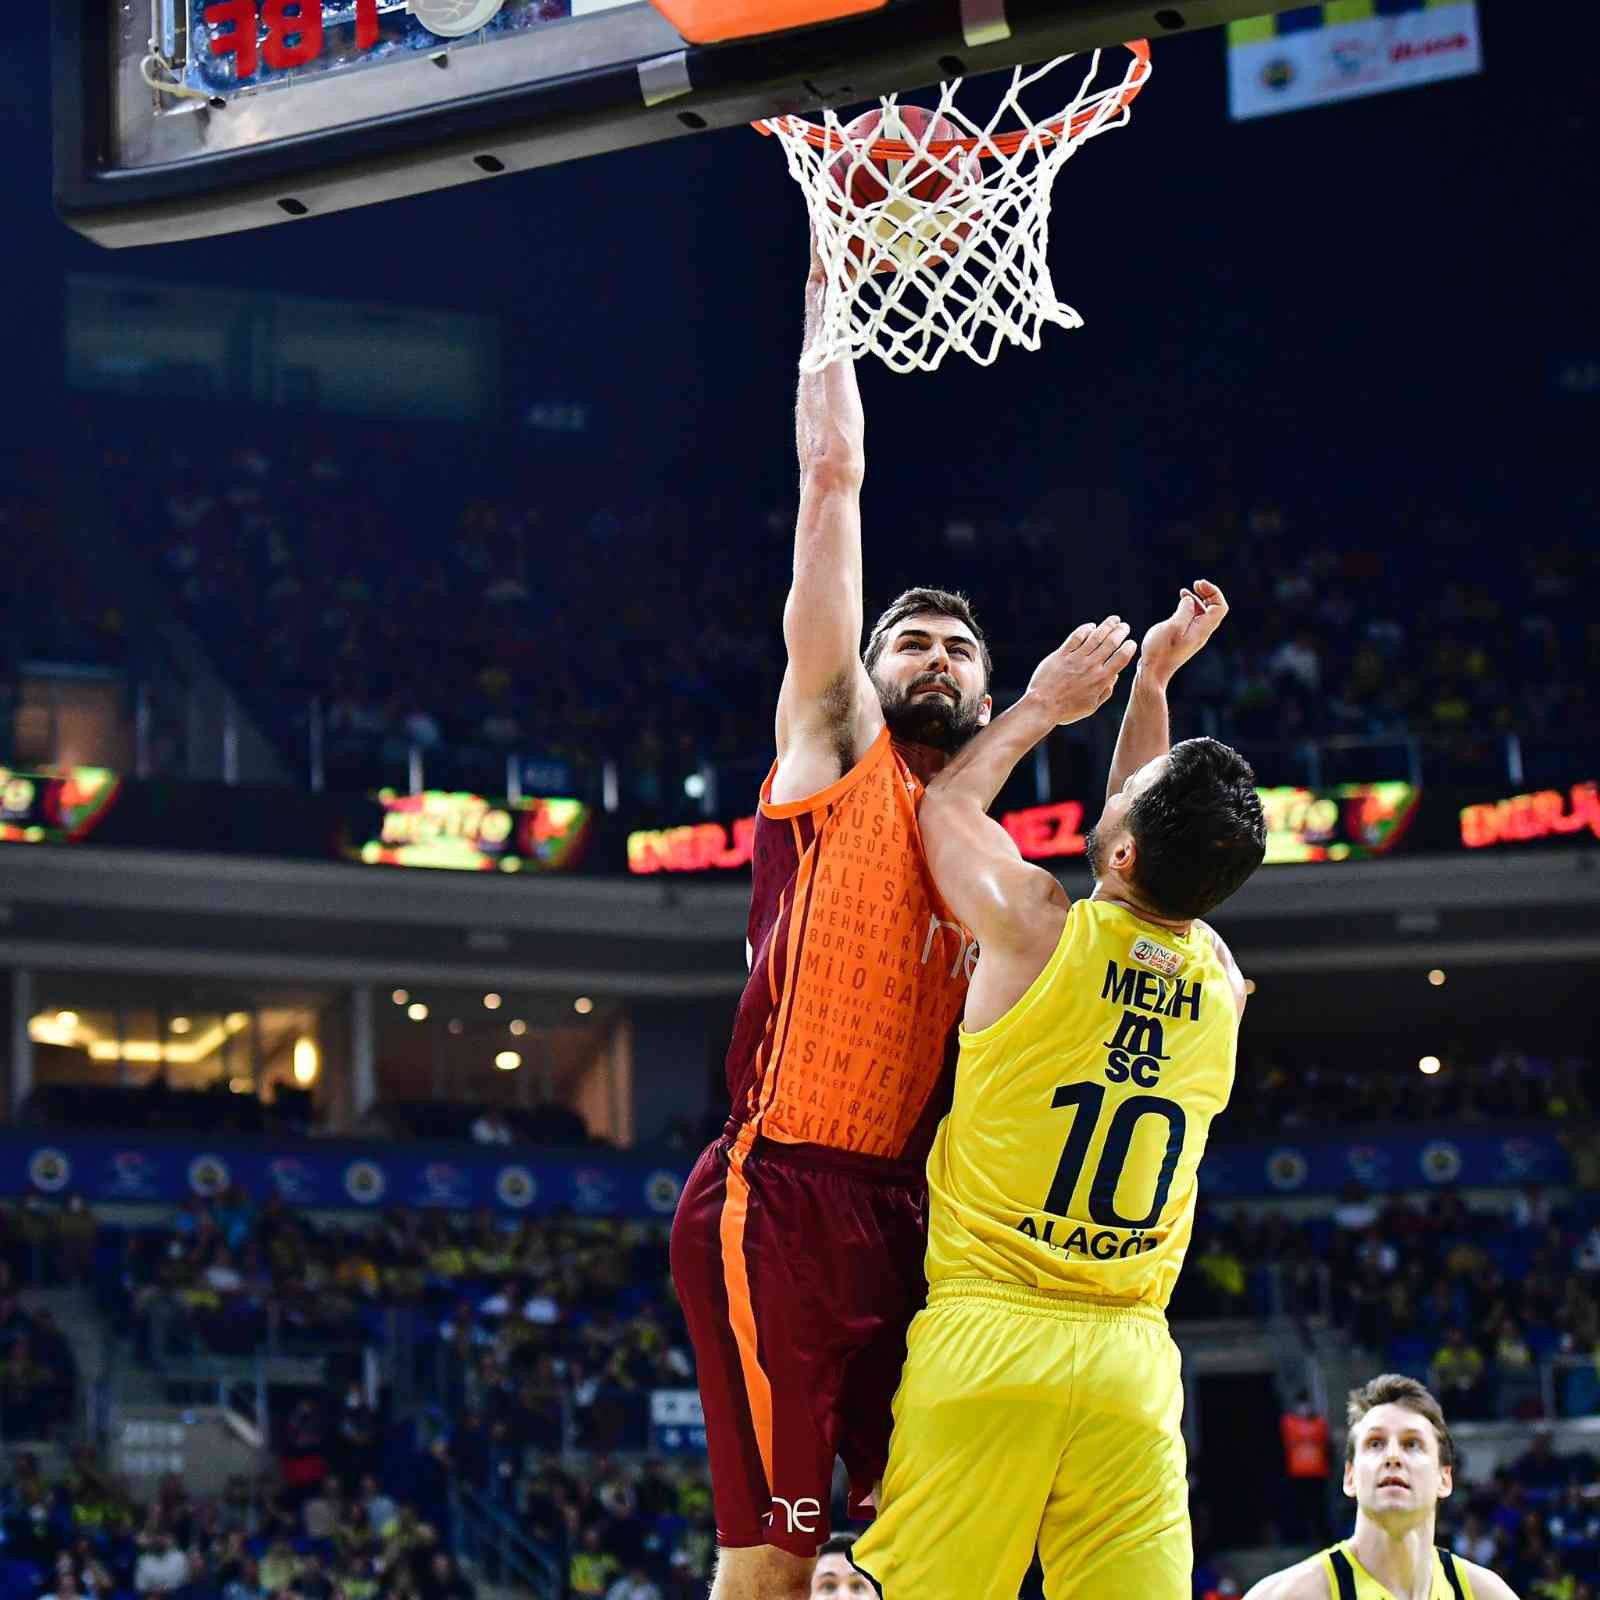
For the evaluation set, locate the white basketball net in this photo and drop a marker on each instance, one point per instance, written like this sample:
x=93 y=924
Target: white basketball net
x=966 y=270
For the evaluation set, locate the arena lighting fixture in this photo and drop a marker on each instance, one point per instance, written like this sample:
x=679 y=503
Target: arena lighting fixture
x=1429 y=1065
x=400 y=996
x=305 y=1062
x=1436 y=977
x=491 y=1002
x=583 y=1005
x=454 y=1025
x=694 y=786
x=194 y=1048
x=66 y=1019
x=180 y=1024
x=417 y=1011
x=517 y=1026
x=508 y=1061
x=1249 y=985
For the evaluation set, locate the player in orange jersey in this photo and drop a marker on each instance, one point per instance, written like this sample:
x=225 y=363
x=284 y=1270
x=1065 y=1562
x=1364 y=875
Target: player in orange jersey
x=798 y=1244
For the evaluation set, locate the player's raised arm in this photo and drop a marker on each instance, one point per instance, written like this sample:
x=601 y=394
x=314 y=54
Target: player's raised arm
x=1146 y=732
x=827 y=707
x=975 y=863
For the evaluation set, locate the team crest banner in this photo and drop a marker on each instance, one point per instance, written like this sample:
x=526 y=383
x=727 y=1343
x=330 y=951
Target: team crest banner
x=1347 y=48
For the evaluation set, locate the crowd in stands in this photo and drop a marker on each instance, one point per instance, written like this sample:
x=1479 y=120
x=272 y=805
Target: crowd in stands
x=49 y=608
x=487 y=610
x=38 y=1370
x=552 y=1331
x=1482 y=1305
x=90 y=1535
x=1509 y=1084
x=539 y=1341
x=518 y=1325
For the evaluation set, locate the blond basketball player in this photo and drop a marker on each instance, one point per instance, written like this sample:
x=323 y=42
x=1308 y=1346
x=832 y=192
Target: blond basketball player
x=1041 y=1397
x=1399 y=1463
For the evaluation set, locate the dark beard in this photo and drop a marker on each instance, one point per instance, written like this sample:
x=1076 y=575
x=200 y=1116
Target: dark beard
x=1091 y=849
x=930 y=720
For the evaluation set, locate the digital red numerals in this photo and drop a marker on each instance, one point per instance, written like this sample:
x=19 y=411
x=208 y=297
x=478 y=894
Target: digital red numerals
x=284 y=33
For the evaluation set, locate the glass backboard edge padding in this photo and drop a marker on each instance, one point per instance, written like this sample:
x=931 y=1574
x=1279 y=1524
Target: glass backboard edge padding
x=410 y=85
x=910 y=44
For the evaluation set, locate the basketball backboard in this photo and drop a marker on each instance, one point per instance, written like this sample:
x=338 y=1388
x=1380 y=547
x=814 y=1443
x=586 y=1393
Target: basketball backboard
x=178 y=119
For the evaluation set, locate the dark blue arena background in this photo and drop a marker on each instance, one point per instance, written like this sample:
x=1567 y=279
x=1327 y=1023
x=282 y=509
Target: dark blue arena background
x=455 y=533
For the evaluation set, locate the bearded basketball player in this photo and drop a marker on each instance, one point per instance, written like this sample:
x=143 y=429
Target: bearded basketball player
x=797 y=1249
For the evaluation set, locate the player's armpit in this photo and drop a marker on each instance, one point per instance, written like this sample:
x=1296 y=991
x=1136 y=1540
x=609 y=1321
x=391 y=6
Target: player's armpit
x=980 y=874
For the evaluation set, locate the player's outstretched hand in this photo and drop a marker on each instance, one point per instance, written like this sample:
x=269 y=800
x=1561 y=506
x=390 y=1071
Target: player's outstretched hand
x=1169 y=644
x=1075 y=681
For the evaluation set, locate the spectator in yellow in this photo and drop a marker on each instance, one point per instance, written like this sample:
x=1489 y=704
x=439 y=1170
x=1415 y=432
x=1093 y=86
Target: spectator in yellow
x=279 y=1567
x=1223 y=1272
x=1457 y=1373
x=591 y=1570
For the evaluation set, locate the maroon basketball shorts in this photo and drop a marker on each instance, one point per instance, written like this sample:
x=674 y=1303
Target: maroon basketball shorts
x=799 y=1269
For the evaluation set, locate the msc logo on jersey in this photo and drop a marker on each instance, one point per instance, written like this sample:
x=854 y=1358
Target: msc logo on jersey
x=1136 y=1051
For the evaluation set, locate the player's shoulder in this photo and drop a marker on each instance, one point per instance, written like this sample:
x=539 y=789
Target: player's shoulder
x=1307 y=1580
x=1224 y=955
x=1485 y=1585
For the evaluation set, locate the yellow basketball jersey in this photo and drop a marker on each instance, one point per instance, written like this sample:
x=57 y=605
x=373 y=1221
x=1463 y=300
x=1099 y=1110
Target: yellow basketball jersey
x=1068 y=1159
x=1349 y=1580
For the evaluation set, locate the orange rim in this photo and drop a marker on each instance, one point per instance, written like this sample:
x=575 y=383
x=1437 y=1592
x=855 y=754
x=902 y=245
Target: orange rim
x=999 y=144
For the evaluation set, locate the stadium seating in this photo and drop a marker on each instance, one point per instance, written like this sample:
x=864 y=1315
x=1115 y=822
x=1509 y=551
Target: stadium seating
x=478 y=611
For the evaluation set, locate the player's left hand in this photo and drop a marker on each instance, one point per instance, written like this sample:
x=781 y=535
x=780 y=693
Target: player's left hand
x=1169 y=644
x=1074 y=681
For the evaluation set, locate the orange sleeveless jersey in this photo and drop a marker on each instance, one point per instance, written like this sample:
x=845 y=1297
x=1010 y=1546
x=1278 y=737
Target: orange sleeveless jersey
x=843 y=1037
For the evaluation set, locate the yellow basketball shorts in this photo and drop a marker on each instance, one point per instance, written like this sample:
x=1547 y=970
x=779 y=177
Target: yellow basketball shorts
x=1025 y=1418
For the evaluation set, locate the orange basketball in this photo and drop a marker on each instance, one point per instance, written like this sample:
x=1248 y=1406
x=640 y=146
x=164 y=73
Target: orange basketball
x=912 y=225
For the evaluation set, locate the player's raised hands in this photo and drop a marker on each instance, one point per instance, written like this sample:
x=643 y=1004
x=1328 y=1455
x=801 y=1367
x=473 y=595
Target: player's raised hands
x=1074 y=681
x=1182 y=636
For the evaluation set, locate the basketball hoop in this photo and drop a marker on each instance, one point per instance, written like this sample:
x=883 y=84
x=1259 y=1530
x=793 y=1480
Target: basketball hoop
x=947 y=252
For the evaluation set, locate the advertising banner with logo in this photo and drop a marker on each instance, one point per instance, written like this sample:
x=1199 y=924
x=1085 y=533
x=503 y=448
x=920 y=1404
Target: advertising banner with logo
x=469 y=833
x=108 y=1169
x=1384 y=1164
x=533 y=836
x=1347 y=48
x=677 y=1422
x=54 y=807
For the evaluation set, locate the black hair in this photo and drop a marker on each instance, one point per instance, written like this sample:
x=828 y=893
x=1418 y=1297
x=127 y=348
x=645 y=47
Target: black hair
x=914 y=602
x=1199 y=830
x=841 y=1544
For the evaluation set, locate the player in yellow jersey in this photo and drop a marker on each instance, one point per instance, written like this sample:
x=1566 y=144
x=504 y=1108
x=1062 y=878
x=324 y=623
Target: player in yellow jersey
x=1399 y=1463
x=1041 y=1397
